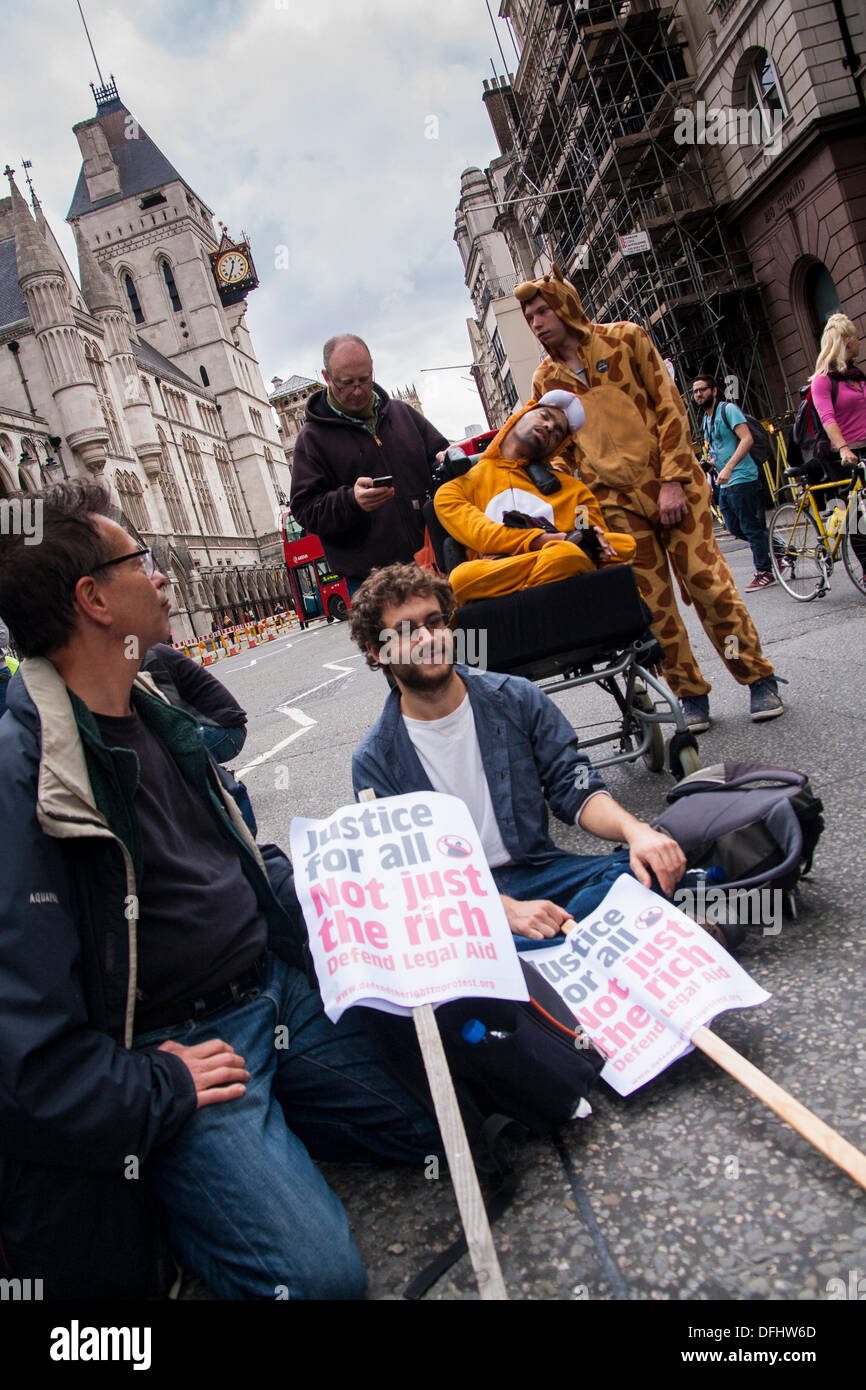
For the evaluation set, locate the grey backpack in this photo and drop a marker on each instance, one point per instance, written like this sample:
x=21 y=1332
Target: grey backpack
x=748 y=824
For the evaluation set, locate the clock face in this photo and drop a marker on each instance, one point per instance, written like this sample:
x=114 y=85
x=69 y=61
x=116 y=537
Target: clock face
x=233 y=267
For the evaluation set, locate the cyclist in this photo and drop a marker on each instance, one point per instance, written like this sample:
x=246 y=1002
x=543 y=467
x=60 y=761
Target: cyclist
x=843 y=411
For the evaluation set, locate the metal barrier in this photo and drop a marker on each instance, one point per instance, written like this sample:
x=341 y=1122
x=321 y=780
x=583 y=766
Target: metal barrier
x=229 y=641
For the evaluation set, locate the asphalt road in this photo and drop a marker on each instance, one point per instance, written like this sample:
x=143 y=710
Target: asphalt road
x=690 y=1189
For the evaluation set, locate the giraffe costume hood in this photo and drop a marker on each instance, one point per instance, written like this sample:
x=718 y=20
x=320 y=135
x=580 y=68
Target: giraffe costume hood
x=636 y=434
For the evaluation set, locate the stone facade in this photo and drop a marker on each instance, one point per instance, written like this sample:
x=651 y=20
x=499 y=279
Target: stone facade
x=137 y=374
x=495 y=258
x=798 y=199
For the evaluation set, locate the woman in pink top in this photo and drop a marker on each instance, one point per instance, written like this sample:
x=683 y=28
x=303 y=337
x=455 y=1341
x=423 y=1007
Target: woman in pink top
x=839 y=393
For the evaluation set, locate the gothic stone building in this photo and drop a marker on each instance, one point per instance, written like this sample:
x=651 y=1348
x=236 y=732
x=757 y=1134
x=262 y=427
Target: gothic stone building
x=141 y=372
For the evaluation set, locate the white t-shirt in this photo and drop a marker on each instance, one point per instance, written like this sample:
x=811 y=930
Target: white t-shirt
x=451 y=756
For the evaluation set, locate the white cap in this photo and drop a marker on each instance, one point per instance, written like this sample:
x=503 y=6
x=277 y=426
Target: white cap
x=569 y=404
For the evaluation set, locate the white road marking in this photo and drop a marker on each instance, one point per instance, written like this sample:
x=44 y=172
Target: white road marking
x=298 y=715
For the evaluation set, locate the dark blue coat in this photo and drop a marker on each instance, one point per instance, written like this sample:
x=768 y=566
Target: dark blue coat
x=76 y=1102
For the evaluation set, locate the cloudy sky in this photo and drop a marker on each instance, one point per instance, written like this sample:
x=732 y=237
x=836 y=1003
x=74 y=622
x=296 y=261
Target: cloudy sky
x=303 y=122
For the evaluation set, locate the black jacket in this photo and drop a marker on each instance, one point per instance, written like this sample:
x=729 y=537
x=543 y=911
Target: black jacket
x=331 y=453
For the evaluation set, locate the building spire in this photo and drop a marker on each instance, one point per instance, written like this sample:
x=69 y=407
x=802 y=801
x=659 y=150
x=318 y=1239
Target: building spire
x=33 y=253
x=98 y=288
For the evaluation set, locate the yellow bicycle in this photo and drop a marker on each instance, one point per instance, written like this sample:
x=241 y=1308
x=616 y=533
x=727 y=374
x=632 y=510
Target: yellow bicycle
x=804 y=546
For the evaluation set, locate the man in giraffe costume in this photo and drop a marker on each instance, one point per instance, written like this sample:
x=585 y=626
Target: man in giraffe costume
x=635 y=454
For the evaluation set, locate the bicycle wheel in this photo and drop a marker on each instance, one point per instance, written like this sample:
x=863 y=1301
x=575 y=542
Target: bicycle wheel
x=799 y=558
x=854 y=565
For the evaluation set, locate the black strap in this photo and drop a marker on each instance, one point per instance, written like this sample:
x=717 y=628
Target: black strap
x=498 y=1201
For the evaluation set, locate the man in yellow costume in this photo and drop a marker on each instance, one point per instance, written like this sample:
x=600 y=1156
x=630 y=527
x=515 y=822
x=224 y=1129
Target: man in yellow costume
x=635 y=453
x=524 y=523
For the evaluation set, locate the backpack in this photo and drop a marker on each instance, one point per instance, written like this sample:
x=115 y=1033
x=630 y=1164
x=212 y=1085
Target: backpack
x=762 y=447
x=808 y=442
x=534 y=1065
x=755 y=825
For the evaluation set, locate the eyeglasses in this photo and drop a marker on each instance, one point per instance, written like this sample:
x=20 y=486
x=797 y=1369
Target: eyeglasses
x=357 y=382
x=434 y=622
x=145 y=554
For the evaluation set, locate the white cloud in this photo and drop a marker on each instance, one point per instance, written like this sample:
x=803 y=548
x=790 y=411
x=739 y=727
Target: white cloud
x=305 y=126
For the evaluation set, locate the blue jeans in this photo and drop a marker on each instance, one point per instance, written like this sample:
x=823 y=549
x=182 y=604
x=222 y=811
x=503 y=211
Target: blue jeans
x=576 y=882
x=244 y=1206
x=743 y=509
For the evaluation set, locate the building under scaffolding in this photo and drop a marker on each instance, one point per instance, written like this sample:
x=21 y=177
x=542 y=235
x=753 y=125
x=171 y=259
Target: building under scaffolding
x=600 y=182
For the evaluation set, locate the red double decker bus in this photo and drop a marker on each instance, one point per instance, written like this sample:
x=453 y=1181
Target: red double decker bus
x=316 y=591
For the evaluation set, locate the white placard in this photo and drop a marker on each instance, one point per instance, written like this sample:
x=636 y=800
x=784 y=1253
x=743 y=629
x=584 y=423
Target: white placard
x=641 y=976
x=401 y=907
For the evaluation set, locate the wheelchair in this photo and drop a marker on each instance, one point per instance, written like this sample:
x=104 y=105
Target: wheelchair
x=590 y=629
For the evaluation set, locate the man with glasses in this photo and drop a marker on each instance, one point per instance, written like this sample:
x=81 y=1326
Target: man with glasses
x=362 y=466
x=161 y=1046
x=504 y=748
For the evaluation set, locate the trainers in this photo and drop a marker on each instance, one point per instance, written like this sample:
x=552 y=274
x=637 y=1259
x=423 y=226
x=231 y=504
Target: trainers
x=764 y=701
x=696 y=712
x=762 y=580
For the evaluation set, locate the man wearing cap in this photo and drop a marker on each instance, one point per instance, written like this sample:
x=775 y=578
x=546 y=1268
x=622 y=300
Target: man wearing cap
x=635 y=453
x=524 y=522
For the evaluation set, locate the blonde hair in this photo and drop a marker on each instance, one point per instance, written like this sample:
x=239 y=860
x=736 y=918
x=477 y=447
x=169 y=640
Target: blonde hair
x=838 y=330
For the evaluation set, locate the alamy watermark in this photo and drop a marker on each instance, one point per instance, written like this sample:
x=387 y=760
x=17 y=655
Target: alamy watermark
x=720 y=906
x=401 y=647
x=728 y=125
x=21 y=516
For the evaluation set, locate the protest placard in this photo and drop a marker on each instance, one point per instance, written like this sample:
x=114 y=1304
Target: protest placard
x=643 y=980
x=401 y=907
x=640 y=976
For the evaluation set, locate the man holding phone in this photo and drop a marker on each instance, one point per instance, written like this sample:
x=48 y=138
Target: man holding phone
x=362 y=466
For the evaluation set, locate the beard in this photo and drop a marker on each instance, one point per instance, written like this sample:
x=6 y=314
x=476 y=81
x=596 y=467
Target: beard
x=432 y=667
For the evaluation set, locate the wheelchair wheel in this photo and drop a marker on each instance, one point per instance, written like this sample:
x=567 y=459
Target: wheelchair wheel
x=654 y=757
x=683 y=755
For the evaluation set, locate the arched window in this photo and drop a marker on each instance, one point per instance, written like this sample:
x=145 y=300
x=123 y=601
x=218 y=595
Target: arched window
x=177 y=513
x=132 y=503
x=200 y=485
x=227 y=478
x=132 y=296
x=821 y=296
x=173 y=295
x=99 y=376
x=256 y=418
x=205 y=379
x=758 y=95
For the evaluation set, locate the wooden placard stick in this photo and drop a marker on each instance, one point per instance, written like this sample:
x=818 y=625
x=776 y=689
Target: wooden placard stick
x=470 y=1202
x=804 y=1121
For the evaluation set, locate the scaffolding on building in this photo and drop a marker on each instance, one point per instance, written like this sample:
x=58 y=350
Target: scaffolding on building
x=602 y=186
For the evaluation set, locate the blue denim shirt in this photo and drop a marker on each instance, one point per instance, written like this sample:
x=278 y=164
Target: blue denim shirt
x=528 y=749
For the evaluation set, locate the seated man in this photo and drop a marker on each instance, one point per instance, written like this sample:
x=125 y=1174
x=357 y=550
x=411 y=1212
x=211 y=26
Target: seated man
x=525 y=523
x=148 y=1028
x=504 y=748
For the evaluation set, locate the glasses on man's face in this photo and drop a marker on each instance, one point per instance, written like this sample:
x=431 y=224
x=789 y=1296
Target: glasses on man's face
x=145 y=556
x=434 y=622
x=355 y=384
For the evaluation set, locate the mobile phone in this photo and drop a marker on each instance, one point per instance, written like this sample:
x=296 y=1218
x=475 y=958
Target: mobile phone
x=384 y=482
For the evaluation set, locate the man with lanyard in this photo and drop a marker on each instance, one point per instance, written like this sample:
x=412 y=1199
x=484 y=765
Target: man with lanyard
x=727 y=440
